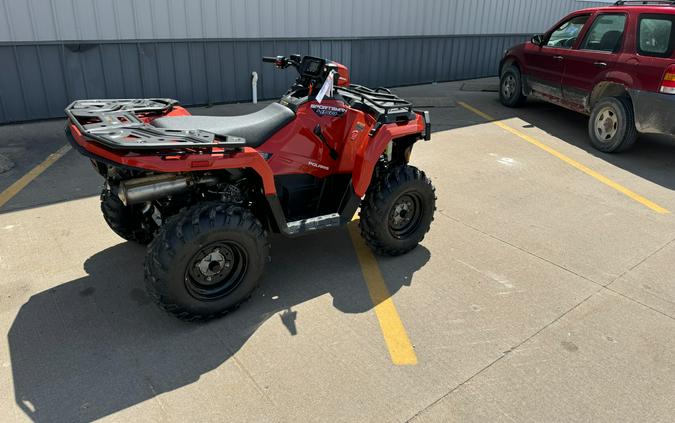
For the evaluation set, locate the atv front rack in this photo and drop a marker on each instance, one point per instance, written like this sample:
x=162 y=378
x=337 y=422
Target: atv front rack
x=117 y=124
x=387 y=107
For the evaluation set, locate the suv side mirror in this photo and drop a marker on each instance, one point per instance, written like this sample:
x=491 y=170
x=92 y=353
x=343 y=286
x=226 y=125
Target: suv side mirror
x=538 y=40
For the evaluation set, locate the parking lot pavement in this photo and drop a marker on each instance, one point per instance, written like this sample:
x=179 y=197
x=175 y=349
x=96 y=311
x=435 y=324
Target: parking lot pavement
x=541 y=293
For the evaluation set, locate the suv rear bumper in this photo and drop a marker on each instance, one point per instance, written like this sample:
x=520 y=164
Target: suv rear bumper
x=654 y=112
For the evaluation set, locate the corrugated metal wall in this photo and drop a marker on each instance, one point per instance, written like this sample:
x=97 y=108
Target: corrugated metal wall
x=48 y=20
x=203 y=51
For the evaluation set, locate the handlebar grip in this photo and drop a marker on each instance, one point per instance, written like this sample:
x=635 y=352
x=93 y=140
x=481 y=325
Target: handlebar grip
x=269 y=59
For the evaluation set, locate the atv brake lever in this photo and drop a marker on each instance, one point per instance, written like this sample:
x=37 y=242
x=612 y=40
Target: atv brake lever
x=319 y=134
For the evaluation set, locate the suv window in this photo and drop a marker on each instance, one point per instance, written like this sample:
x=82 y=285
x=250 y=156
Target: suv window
x=606 y=33
x=655 y=35
x=566 y=34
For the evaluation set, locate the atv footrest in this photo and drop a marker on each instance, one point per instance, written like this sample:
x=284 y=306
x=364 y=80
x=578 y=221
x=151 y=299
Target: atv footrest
x=313 y=224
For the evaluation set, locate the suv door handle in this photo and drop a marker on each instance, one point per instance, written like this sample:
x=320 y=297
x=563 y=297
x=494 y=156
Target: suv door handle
x=558 y=57
x=600 y=65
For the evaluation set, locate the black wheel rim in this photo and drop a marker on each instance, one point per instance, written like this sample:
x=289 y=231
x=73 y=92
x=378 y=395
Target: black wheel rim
x=216 y=270
x=405 y=215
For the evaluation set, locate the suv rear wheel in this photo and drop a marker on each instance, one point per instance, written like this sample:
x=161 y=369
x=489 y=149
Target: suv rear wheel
x=511 y=88
x=612 y=125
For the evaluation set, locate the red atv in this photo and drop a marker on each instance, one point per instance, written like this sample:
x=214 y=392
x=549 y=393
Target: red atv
x=205 y=191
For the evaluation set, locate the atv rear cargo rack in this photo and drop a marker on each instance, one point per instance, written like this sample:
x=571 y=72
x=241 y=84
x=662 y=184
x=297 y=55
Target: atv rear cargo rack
x=117 y=124
x=387 y=107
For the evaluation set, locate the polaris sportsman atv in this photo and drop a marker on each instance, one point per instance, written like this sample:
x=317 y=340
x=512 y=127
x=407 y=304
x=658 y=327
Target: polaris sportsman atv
x=204 y=192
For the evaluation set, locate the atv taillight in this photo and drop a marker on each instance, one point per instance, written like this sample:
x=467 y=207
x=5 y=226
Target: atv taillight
x=73 y=130
x=668 y=83
x=200 y=163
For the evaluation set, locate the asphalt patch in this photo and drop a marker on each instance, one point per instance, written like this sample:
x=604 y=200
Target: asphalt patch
x=432 y=101
x=485 y=87
x=5 y=164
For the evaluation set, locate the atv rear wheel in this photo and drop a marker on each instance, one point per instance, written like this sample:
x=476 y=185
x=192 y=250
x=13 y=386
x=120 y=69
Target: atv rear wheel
x=397 y=211
x=206 y=261
x=126 y=221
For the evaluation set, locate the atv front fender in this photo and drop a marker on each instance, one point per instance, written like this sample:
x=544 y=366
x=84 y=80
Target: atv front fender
x=371 y=151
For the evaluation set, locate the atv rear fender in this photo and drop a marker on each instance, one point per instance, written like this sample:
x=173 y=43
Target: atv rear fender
x=217 y=159
x=370 y=152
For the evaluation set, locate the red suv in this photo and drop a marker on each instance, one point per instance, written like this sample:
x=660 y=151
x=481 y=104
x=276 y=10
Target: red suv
x=614 y=63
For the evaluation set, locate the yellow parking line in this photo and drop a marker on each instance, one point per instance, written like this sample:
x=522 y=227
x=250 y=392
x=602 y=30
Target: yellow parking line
x=26 y=179
x=605 y=180
x=400 y=349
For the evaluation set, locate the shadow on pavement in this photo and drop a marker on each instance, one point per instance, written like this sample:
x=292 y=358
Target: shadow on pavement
x=71 y=177
x=652 y=158
x=97 y=345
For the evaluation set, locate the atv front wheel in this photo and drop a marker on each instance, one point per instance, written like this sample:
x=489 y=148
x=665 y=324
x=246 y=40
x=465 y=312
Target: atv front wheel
x=126 y=221
x=397 y=211
x=206 y=261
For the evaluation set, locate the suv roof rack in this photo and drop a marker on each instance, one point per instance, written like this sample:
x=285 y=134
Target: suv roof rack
x=645 y=3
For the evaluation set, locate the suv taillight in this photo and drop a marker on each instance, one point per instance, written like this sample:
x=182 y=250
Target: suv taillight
x=668 y=83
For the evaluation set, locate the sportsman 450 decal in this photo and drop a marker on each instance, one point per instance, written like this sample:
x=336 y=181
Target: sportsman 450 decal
x=333 y=111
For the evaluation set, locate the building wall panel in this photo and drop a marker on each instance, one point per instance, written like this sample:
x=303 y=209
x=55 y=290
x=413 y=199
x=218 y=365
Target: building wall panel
x=52 y=20
x=203 y=51
x=40 y=80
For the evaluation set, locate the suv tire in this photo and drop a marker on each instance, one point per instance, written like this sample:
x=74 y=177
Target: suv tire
x=511 y=87
x=397 y=210
x=611 y=126
x=206 y=261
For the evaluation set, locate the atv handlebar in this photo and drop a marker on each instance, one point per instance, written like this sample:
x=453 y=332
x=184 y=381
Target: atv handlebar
x=312 y=71
x=282 y=62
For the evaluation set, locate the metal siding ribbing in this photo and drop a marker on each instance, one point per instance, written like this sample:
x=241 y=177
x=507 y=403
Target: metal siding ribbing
x=203 y=51
x=50 y=20
x=38 y=81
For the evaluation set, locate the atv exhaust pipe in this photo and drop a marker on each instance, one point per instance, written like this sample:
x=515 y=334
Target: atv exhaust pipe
x=150 y=188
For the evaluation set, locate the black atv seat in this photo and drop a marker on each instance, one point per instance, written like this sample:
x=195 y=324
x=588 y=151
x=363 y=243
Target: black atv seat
x=256 y=127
